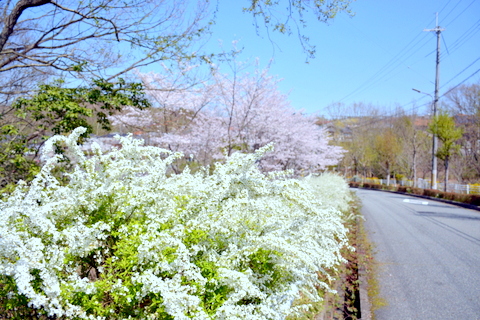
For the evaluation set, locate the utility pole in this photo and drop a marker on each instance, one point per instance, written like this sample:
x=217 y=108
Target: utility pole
x=437 y=30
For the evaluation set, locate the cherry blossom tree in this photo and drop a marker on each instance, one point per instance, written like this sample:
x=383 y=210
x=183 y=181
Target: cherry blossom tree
x=179 y=98
x=256 y=113
x=230 y=112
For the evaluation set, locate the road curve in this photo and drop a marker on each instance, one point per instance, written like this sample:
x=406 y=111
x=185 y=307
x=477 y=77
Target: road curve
x=428 y=254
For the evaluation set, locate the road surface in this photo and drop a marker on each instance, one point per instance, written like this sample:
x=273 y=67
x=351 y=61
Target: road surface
x=428 y=254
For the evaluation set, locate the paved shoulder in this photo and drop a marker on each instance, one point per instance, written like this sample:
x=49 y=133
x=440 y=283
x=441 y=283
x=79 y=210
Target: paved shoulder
x=429 y=255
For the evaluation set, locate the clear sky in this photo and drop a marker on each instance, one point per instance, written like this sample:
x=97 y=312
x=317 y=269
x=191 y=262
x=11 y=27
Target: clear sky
x=377 y=56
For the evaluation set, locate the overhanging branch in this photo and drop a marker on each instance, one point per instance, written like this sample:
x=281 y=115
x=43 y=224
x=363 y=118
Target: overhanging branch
x=12 y=18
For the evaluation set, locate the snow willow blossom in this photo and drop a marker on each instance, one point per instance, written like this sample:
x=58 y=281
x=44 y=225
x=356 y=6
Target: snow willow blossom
x=126 y=239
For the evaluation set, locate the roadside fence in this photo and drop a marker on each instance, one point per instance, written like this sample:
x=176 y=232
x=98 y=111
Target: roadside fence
x=423 y=184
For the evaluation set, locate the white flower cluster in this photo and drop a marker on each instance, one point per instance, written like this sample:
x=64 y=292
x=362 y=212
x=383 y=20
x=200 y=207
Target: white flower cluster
x=124 y=238
x=333 y=190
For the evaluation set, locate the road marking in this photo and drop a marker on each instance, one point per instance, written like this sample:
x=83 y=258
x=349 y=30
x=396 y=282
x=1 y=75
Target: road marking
x=425 y=203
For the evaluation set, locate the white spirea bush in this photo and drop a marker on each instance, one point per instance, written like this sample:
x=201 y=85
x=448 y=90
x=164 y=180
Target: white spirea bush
x=123 y=239
x=333 y=189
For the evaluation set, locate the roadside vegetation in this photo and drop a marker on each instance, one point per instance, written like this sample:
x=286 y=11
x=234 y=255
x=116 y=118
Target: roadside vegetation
x=118 y=234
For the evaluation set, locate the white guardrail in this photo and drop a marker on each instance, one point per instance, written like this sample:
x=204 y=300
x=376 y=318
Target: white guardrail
x=424 y=184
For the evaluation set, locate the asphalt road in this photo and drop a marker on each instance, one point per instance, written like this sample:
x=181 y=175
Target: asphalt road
x=428 y=254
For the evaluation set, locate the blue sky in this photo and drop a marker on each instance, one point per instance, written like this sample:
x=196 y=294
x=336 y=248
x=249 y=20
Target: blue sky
x=377 y=56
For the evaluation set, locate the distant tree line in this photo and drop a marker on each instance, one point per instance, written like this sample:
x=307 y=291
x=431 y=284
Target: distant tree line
x=399 y=145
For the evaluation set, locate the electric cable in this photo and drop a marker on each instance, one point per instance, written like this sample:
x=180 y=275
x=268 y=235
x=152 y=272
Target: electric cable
x=460 y=83
x=471 y=64
x=390 y=66
x=458 y=15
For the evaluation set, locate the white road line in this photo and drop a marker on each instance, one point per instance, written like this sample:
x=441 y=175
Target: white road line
x=425 y=203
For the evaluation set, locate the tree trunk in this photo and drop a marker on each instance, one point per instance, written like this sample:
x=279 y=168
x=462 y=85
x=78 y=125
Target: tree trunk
x=414 y=160
x=388 y=174
x=446 y=174
x=355 y=166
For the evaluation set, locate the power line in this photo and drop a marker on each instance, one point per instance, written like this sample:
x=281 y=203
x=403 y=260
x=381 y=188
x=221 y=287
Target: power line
x=441 y=10
x=390 y=66
x=471 y=64
x=387 y=71
x=460 y=83
x=467 y=35
x=451 y=10
x=458 y=15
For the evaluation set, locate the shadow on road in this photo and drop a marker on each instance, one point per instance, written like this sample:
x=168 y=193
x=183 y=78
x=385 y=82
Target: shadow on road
x=447 y=215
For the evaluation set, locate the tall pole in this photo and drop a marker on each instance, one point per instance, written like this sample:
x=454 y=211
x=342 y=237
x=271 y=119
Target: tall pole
x=437 y=30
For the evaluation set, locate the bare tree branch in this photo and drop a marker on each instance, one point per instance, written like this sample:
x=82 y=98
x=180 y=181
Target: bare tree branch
x=12 y=18
x=76 y=36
